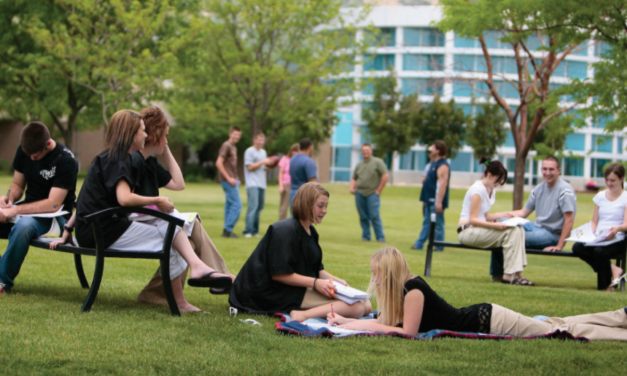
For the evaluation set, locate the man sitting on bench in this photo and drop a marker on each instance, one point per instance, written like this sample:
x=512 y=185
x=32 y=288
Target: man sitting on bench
x=555 y=203
x=48 y=169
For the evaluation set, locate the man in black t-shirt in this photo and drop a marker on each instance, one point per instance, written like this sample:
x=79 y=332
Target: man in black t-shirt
x=47 y=171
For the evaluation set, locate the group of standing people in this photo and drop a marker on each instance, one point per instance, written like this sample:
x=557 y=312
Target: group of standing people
x=295 y=169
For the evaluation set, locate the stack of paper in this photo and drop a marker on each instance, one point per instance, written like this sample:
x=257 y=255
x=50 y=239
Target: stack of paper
x=584 y=234
x=189 y=218
x=516 y=221
x=350 y=295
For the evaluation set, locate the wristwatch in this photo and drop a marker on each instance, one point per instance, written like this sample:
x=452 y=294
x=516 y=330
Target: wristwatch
x=68 y=229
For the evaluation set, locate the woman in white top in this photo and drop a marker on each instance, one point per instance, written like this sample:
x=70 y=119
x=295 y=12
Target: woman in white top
x=610 y=209
x=477 y=227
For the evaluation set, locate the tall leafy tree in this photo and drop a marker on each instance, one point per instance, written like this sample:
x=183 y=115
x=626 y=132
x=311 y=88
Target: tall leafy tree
x=392 y=120
x=518 y=24
x=264 y=65
x=78 y=61
x=486 y=131
x=442 y=121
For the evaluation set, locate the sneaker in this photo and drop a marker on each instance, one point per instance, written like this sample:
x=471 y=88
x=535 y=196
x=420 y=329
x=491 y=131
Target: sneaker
x=248 y=235
x=4 y=289
x=381 y=241
x=365 y=240
x=497 y=278
x=257 y=235
x=228 y=234
x=415 y=249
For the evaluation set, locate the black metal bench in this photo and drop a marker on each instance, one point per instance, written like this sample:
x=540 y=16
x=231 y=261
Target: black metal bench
x=101 y=253
x=620 y=262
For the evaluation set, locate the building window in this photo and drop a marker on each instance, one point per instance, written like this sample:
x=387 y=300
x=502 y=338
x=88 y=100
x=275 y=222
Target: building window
x=423 y=62
x=422 y=86
x=576 y=141
x=602 y=144
x=619 y=145
x=462 y=162
x=573 y=166
x=385 y=38
x=413 y=161
x=509 y=140
x=469 y=63
x=422 y=37
x=600 y=122
x=343 y=132
x=600 y=48
x=597 y=166
x=380 y=62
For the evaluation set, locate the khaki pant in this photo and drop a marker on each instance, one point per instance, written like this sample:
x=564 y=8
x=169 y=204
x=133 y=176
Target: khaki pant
x=512 y=240
x=596 y=326
x=206 y=251
x=285 y=202
x=315 y=299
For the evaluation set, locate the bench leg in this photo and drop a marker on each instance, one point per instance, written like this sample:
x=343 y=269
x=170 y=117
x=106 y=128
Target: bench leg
x=620 y=262
x=430 y=246
x=95 y=284
x=167 y=287
x=78 y=262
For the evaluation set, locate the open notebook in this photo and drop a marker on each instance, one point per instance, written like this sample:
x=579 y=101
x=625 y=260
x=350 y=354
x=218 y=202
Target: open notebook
x=350 y=295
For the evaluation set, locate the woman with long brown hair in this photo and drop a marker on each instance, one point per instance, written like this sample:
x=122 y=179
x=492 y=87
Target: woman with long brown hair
x=110 y=182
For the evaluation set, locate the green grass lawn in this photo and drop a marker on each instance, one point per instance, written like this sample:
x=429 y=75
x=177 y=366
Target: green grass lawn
x=42 y=330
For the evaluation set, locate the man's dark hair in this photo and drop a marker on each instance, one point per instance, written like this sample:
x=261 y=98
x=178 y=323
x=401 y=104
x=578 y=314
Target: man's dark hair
x=552 y=158
x=235 y=129
x=305 y=143
x=35 y=136
x=441 y=146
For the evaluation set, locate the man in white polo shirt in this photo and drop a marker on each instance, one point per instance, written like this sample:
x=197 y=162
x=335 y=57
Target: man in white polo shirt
x=255 y=158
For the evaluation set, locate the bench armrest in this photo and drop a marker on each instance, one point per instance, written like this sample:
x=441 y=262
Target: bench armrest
x=133 y=209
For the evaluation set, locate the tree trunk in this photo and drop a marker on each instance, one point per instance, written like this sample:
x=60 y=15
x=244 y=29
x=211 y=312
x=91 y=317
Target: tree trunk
x=519 y=179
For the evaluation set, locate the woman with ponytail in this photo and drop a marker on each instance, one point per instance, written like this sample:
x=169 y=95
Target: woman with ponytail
x=479 y=228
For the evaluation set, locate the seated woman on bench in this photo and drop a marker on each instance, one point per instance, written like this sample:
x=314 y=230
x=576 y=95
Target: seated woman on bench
x=110 y=183
x=476 y=227
x=285 y=272
x=407 y=304
x=153 y=177
x=610 y=209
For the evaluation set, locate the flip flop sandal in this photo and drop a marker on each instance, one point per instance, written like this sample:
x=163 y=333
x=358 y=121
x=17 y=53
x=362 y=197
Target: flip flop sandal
x=526 y=282
x=220 y=291
x=207 y=281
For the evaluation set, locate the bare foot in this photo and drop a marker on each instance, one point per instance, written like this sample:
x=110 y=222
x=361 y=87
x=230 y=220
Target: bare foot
x=297 y=316
x=186 y=307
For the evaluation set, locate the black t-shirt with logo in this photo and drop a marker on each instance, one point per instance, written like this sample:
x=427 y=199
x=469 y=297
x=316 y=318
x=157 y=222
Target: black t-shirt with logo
x=286 y=248
x=57 y=169
x=150 y=175
x=99 y=193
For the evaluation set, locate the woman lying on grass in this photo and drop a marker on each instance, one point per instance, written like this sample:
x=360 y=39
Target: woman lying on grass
x=285 y=272
x=408 y=305
x=110 y=183
x=152 y=177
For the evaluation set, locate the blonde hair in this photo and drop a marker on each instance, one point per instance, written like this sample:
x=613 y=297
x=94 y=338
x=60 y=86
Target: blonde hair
x=302 y=206
x=390 y=267
x=293 y=148
x=121 y=131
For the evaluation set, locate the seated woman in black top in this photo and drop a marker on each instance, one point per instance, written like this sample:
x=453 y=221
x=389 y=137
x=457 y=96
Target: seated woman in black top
x=285 y=272
x=110 y=183
x=408 y=305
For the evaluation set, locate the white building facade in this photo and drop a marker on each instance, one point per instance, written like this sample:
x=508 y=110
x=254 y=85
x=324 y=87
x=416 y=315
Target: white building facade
x=430 y=62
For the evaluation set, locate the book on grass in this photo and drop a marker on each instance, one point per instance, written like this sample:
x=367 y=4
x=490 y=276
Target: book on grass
x=350 y=295
x=584 y=234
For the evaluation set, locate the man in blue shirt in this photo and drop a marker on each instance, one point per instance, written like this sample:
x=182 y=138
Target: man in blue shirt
x=302 y=168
